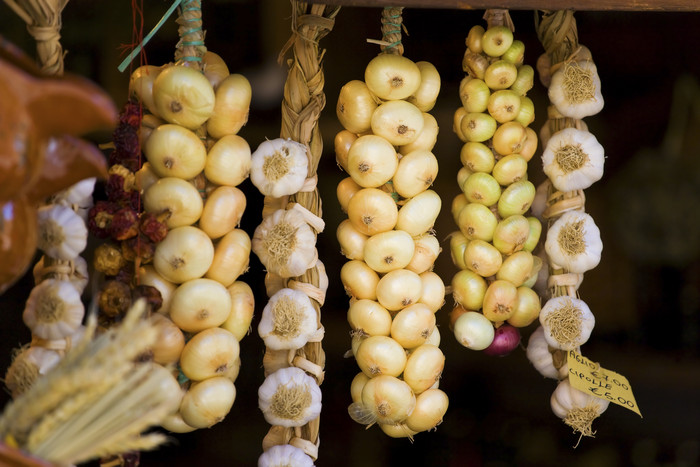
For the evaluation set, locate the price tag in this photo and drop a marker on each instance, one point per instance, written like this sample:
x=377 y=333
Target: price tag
x=591 y=378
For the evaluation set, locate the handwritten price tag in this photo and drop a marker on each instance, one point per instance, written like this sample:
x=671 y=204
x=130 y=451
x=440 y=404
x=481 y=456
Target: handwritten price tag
x=591 y=378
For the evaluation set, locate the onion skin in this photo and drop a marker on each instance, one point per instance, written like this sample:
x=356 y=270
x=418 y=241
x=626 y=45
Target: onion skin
x=506 y=338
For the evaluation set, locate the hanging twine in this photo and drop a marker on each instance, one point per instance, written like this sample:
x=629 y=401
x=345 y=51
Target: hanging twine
x=43 y=18
x=190 y=49
x=302 y=104
x=392 y=22
x=498 y=17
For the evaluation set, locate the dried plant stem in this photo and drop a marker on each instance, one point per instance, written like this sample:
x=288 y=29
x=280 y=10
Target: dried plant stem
x=43 y=18
x=303 y=102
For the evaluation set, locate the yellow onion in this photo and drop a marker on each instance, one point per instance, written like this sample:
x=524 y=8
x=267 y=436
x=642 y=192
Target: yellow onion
x=242 y=309
x=183 y=96
x=358 y=382
x=178 y=199
x=458 y=203
x=426 y=139
x=419 y=213
x=369 y=318
x=477 y=221
x=372 y=211
x=431 y=406
x=516 y=198
x=185 y=253
x=510 y=169
x=509 y=138
x=380 y=355
x=342 y=142
x=468 y=289
x=433 y=295
x=516 y=268
x=228 y=161
x=515 y=53
x=214 y=68
x=352 y=242
x=355 y=106
x=500 y=300
x=345 y=190
x=533 y=236
x=482 y=258
x=504 y=105
x=141 y=85
x=425 y=96
x=415 y=173
x=388 y=398
x=526 y=115
x=231 y=257
x=474 y=64
x=424 y=367
x=175 y=151
x=457 y=118
x=145 y=177
x=478 y=126
x=527 y=308
x=199 y=304
x=359 y=280
x=398 y=121
x=412 y=325
x=473 y=40
x=500 y=74
x=496 y=40
x=222 y=211
x=392 y=76
x=473 y=330
x=458 y=243
x=482 y=188
x=524 y=80
x=207 y=402
x=477 y=157
x=398 y=289
x=389 y=250
x=474 y=94
x=231 y=106
x=398 y=430
x=425 y=252
x=211 y=352
x=511 y=234
x=372 y=161
x=529 y=145
x=462 y=176
x=167 y=348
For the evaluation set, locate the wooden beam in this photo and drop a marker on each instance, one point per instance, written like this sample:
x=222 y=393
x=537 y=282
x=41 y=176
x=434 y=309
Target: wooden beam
x=580 y=5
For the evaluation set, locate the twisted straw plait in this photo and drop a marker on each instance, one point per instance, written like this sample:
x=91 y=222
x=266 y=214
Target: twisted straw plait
x=301 y=107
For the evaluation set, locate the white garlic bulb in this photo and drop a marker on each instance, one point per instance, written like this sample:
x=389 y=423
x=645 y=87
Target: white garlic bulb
x=53 y=309
x=279 y=167
x=573 y=242
x=288 y=320
x=578 y=409
x=289 y=397
x=28 y=365
x=573 y=159
x=62 y=232
x=575 y=89
x=567 y=322
x=284 y=455
x=285 y=243
x=541 y=356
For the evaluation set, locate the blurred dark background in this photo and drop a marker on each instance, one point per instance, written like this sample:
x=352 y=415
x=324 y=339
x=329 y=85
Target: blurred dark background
x=645 y=293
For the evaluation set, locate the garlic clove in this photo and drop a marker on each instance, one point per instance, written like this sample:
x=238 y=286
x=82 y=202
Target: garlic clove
x=573 y=242
x=573 y=159
x=27 y=365
x=567 y=322
x=284 y=454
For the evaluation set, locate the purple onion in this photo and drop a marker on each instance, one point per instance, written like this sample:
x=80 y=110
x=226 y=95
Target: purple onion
x=505 y=339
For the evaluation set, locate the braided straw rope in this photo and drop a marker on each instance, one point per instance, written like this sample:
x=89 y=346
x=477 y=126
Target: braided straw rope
x=302 y=104
x=559 y=37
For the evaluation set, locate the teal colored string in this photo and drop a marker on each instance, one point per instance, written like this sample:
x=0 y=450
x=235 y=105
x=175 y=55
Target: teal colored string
x=185 y=9
x=385 y=20
x=125 y=63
